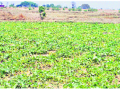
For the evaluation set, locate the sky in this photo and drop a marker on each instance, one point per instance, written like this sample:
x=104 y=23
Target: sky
x=108 y=4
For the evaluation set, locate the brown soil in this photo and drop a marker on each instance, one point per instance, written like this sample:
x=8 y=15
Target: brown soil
x=24 y=14
x=118 y=78
x=9 y=16
x=47 y=54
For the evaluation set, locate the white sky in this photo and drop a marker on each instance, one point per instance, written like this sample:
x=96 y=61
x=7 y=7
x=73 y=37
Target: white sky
x=108 y=4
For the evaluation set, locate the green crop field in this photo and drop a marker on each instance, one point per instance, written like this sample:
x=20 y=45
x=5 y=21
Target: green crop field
x=59 y=55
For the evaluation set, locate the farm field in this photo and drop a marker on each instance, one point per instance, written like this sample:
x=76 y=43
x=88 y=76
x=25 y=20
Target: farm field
x=59 y=55
x=101 y=16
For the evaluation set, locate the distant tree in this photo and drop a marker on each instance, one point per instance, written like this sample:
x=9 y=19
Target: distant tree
x=85 y=6
x=27 y=4
x=58 y=6
x=92 y=9
x=48 y=8
x=65 y=7
x=85 y=10
x=44 y=5
x=18 y=5
x=53 y=8
x=69 y=9
x=79 y=8
x=47 y=5
x=52 y=5
x=30 y=8
x=57 y=9
x=42 y=12
x=11 y=5
x=73 y=9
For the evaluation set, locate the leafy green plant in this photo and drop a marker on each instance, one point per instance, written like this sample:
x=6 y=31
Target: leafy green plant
x=42 y=12
x=69 y=9
x=57 y=9
x=11 y=5
x=73 y=9
x=85 y=10
x=43 y=15
x=53 y=8
x=68 y=55
x=30 y=8
x=93 y=10
x=79 y=9
x=48 y=8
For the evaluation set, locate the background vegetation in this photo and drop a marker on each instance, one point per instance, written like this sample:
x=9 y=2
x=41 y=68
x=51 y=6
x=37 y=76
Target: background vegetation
x=27 y=4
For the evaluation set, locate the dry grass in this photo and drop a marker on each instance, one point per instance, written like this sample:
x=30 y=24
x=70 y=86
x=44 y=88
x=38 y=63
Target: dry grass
x=102 y=16
x=9 y=16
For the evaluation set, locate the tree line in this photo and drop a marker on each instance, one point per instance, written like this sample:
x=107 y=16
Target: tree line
x=54 y=7
x=32 y=4
x=27 y=4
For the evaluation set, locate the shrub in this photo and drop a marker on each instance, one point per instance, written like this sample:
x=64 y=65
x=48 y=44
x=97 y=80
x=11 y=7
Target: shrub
x=85 y=10
x=42 y=12
x=119 y=10
x=30 y=8
x=11 y=5
x=79 y=9
x=63 y=8
x=43 y=15
x=85 y=6
x=73 y=9
x=57 y=9
x=53 y=9
x=93 y=10
x=69 y=9
x=47 y=8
